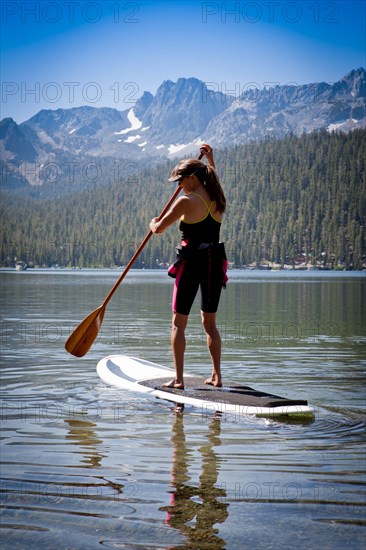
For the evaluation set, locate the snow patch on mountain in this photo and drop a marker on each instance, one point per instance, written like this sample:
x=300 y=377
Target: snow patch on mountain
x=131 y=139
x=345 y=125
x=134 y=121
x=175 y=148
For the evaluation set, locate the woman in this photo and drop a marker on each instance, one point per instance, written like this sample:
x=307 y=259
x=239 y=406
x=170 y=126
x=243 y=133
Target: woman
x=201 y=258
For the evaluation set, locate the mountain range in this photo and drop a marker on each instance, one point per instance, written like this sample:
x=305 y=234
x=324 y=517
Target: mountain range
x=173 y=123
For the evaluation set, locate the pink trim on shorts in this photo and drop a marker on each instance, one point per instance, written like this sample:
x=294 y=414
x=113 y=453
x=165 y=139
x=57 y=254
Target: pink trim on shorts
x=225 y=264
x=176 y=284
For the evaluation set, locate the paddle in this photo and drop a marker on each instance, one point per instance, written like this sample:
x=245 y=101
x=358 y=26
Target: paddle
x=81 y=340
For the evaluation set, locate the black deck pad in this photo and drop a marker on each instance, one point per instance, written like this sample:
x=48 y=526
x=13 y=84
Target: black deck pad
x=232 y=393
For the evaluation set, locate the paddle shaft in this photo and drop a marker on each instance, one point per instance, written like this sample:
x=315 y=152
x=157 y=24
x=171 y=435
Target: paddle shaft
x=142 y=246
x=139 y=250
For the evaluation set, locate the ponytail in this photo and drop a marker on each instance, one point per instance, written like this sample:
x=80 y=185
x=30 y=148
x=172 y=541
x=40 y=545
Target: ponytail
x=214 y=189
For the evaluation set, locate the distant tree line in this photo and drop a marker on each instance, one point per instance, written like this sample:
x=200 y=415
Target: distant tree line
x=291 y=200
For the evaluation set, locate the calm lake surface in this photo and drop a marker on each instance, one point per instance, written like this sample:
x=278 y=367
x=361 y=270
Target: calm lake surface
x=88 y=466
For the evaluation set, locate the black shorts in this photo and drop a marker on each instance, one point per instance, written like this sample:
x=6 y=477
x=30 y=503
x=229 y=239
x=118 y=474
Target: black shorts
x=205 y=269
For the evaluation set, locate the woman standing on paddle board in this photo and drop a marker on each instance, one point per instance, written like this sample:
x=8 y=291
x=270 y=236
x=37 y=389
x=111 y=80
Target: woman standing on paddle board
x=201 y=260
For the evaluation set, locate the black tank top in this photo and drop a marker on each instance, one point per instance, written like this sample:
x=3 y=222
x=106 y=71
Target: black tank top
x=206 y=230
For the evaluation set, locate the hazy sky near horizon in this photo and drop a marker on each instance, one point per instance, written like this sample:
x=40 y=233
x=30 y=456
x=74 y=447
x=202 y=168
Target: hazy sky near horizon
x=106 y=53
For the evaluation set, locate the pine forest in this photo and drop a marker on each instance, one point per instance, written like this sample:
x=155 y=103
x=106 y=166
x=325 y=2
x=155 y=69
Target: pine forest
x=296 y=202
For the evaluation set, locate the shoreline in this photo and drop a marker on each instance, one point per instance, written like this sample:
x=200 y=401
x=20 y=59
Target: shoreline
x=163 y=271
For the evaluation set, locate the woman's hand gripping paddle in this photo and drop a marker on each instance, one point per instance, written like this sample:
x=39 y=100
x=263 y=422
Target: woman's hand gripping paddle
x=81 y=340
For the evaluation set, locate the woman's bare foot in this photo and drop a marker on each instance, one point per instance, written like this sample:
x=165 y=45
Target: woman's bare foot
x=214 y=381
x=174 y=384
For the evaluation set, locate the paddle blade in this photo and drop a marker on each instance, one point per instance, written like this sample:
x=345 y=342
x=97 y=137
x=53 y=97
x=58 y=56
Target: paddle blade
x=81 y=340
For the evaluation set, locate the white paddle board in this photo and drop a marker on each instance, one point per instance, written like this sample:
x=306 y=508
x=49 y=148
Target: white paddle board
x=138 y=375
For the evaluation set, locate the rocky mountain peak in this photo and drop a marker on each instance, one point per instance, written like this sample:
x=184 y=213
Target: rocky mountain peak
x=180 y=116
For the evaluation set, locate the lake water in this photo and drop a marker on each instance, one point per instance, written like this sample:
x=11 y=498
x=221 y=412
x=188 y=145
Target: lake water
x=89 y=466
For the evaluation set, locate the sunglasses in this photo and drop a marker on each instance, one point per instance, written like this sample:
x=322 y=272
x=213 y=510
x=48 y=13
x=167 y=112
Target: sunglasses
x=184 y=176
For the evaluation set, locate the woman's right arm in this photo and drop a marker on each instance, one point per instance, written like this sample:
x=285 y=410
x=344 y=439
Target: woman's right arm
x=177 y=211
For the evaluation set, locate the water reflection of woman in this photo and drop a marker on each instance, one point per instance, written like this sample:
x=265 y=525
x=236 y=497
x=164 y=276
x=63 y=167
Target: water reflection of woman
x=82 y=433
x=205 y=503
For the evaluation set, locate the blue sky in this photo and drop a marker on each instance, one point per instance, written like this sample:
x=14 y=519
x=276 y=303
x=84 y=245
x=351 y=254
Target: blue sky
x=106 y=53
